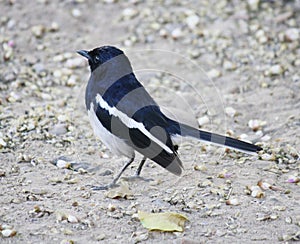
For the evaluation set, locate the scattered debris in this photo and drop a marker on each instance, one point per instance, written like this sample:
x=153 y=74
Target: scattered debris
x=122 y=191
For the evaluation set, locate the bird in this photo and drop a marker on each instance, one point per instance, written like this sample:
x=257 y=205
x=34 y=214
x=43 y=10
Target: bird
x=128 y=120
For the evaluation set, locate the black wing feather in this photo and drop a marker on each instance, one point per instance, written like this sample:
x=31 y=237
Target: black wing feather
x=141 y=142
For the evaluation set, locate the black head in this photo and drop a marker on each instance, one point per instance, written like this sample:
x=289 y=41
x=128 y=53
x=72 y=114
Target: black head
x=100 y=55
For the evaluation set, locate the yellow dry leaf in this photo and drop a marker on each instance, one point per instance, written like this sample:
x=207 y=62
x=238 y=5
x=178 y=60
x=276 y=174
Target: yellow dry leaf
x=162 y=221
x=122 y=191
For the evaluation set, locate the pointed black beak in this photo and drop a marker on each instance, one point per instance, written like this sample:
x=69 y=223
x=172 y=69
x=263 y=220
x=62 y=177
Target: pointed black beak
x=84 y=54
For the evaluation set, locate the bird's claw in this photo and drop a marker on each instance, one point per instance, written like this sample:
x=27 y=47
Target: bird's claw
x=105 y=187
x=136 y=177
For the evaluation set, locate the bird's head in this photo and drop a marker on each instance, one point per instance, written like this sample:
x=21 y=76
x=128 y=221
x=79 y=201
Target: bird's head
x=100 y=55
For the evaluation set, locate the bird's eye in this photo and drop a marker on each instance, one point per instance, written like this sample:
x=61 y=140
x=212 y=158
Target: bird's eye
x=97 y=58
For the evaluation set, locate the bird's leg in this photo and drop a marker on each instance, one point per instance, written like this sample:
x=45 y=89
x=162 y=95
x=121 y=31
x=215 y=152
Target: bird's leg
x=113 y=183
x=139 y=169
x=122 y=171
x=138 y=172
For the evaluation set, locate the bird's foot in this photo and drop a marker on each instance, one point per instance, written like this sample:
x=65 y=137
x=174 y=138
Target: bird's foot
x=136 y=177
x=105 y=187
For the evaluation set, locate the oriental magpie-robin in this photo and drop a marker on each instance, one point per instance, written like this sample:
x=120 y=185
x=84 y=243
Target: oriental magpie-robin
x=127 y=119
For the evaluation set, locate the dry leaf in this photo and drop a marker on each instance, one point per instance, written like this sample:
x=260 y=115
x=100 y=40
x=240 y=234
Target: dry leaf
x=122 y=191
x=162 y=221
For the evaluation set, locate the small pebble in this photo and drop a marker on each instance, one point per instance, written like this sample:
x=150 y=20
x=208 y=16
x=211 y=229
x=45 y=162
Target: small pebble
x=72 y=219
x=2 y=143
x=100 y=237
x=213 y=73
x=256 y=124
x=57 y=73
x=256 y=192
x=14 y=97
x=128 y=43
x=8 y=233
x=253 y=4
x=62 y=164
x=11 y=24
x=65 y=241
x=54 y=27
x=30 y=59
x=129 y=13
x=261 y=36
x=264 y=185
x=58 y=129
x=276 y=70
x=140 y=237
x=288 y=220
x=8 y=52
x=111 y=207
x=38 y=31
x=106 y=172
x=201 y=167
x=227 y=65
x=75 y=63
x=203 y=120
x=267 y=157
x=58 y=58
x=192 y=21
x=296 y=78
x=2 y=172
x=233 y=201
x=194 y=53
x=72 y=80
x=293 y=179
x=38 y=67
x=265 y=138
x=231 y=112
x=63 y=118
x=76 y=13
x=176 y=33
x=292 y=34
x=163 y=33
x=9 y=77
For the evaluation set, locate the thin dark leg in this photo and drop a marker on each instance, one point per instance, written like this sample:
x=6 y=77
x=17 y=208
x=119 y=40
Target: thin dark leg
x=122 y=171
x=113 y=183
x=139 y=169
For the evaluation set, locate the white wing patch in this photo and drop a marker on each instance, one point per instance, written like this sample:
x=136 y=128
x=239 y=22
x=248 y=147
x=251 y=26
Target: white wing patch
x=129 y=122
x=113 y=143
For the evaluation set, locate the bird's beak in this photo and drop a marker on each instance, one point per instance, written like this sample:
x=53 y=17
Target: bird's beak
x=84 y=54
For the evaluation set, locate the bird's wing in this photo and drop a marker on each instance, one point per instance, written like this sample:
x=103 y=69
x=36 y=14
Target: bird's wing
x=144 y=131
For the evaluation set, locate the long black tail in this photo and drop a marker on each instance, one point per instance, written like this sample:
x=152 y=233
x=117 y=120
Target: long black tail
x=188 y=131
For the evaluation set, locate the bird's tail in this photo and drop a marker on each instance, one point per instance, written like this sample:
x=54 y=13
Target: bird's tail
x=188 y=131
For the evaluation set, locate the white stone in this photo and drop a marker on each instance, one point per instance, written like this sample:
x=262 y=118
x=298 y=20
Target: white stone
x=253 y=4
x=292 y=34
x=129 y=13
x=203 y=120
x=192 y=21
x=76 y=13
x=213 y=73
x=230 y=111
x=227 y=65
x=177 y=33
x=276 y=70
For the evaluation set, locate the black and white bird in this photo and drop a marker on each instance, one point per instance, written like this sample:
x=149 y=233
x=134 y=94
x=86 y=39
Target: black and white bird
x=127 y=119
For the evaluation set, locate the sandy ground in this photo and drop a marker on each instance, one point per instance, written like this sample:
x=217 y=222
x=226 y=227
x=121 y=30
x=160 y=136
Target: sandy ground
x=252 y=55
